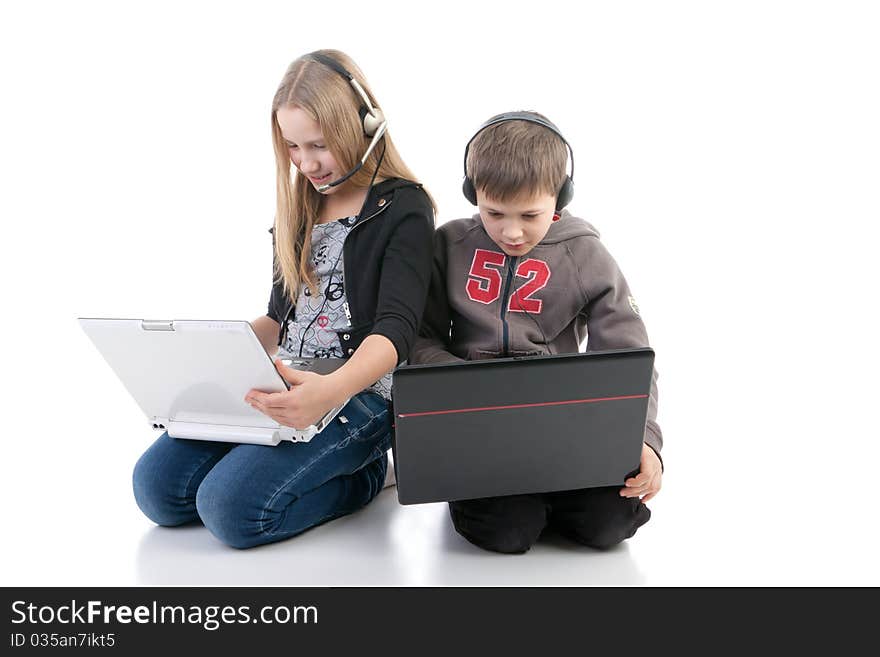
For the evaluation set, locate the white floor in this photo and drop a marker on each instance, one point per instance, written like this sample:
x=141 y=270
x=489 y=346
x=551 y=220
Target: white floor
x=385 y=544
x=70 y=520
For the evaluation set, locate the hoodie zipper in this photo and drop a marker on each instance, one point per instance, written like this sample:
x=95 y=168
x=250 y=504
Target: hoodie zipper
x=511 y=268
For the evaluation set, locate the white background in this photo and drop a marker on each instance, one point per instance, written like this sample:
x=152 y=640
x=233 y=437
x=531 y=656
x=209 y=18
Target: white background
x=727 y=151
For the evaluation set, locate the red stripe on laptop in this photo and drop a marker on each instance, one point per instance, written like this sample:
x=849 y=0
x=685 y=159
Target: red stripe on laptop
x=500 y=408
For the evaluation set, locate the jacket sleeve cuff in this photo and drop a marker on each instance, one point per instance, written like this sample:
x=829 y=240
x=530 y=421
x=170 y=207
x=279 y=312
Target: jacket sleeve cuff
x=655 y=442
x=401 y=345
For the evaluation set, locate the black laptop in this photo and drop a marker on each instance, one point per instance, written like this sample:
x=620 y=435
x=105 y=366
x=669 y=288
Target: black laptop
x=519 y=425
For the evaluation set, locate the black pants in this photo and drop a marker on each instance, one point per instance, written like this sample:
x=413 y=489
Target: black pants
x=597 y=517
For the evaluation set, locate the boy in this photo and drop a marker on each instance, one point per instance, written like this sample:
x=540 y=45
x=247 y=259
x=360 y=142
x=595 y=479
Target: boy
x=525 y=277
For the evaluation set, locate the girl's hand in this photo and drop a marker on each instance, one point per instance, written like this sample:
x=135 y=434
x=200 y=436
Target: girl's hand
x=309 y=398
x=647 y=483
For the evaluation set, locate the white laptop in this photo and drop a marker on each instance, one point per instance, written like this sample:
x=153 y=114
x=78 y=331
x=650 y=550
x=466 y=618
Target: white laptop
x=190 y=377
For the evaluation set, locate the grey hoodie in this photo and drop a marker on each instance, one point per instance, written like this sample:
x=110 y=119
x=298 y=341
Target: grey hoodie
x=483 y=303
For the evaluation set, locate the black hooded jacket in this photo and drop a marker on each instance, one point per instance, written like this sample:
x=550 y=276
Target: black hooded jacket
x=387 y=259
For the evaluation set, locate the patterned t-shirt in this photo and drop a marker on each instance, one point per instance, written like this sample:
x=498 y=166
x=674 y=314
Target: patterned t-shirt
x=317 y=319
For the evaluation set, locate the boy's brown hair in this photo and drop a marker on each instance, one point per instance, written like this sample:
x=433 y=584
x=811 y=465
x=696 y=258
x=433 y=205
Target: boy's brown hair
x=516 y=159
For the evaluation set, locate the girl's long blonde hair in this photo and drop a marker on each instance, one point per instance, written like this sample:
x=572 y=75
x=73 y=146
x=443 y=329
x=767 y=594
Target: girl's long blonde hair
x=329 y=99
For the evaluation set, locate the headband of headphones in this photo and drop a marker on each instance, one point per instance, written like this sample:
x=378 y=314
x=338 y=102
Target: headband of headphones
x=566 y=192
x=372 y=117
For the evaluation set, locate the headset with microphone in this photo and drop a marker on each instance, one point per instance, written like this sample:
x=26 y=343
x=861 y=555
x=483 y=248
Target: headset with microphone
x=372 y=119
x=565 y=193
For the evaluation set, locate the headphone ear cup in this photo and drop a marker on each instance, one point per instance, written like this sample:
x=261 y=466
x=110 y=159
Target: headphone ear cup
x=467 y=188
x=566 y=193
x=371 y=122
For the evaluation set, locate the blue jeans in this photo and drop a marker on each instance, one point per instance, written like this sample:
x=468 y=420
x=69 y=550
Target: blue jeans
x=249 y=495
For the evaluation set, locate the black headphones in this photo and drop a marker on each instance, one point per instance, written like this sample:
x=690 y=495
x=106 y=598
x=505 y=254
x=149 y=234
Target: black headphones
x=372 y=119
x=566 y=192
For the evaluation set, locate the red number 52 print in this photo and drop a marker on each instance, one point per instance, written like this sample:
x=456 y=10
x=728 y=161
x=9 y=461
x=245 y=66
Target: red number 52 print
x=484 y=281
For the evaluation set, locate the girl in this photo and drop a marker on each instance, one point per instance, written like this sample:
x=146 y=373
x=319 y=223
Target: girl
x=352 y=245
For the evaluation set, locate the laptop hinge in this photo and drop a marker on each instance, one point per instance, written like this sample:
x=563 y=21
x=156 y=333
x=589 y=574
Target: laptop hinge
x=224 y=433
x=229 y=433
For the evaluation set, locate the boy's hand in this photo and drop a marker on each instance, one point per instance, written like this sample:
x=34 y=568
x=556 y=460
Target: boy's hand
x=309 y=398
x=647 y=483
